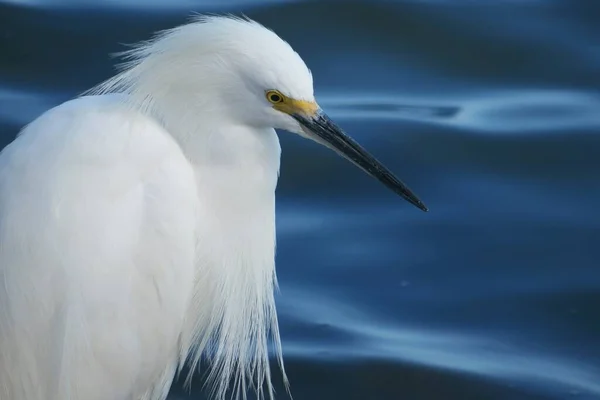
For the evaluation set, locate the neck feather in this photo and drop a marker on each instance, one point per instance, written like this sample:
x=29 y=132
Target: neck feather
x=233 y=309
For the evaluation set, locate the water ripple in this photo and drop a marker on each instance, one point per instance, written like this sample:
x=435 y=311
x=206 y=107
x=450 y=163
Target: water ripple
x=508 y=111
x=499 y=358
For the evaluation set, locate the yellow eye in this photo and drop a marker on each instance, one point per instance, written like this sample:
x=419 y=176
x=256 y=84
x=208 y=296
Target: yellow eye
x=274 y=96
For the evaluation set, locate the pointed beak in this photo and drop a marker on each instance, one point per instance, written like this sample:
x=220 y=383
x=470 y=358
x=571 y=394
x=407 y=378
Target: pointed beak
x=323 y=130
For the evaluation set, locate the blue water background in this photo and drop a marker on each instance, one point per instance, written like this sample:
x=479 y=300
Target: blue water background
x=489 y=110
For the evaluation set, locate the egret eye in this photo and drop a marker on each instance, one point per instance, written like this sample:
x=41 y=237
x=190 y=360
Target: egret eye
x=274 y=96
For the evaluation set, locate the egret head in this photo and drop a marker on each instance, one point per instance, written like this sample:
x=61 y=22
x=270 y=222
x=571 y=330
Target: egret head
x=278 y=93
x=237 y=70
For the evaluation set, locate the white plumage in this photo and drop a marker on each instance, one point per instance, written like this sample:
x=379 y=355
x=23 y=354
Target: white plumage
x=137 y=224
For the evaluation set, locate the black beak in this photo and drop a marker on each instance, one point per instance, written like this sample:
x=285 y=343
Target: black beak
x=332 y=136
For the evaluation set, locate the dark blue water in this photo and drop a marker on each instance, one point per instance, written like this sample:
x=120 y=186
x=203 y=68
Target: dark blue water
x=489 y=110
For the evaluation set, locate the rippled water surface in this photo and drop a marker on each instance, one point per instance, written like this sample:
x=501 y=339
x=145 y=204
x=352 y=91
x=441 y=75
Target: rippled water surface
x=489 y=110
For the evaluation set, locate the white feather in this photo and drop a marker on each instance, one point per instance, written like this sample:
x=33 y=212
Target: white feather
x=137 y=230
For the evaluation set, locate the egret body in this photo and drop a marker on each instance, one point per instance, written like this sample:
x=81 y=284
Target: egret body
x=137 y=222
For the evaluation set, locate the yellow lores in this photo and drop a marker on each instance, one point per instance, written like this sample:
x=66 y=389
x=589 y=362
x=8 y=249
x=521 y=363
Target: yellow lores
x=291 y=106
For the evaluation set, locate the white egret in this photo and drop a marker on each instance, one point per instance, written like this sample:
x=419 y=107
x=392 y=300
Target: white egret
x=137 y=224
